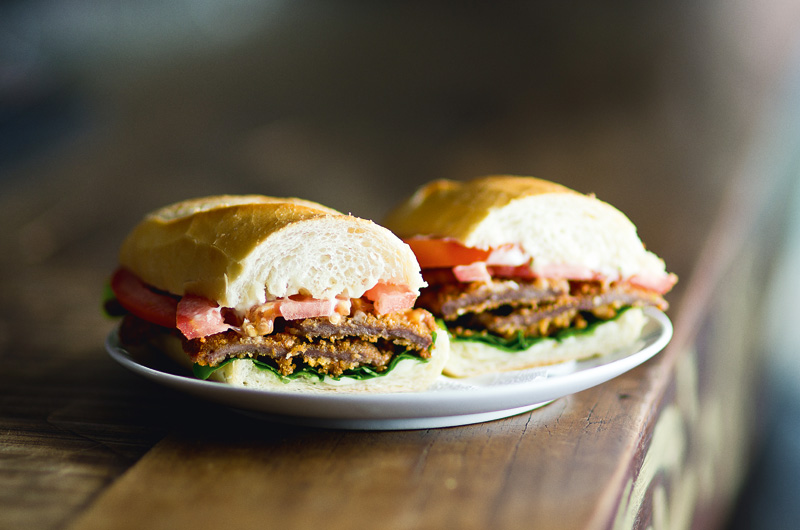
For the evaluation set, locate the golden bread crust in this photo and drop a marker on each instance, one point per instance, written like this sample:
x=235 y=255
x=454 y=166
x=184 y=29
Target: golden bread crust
x=557 y=228
x=453 y=209
x=242 y=250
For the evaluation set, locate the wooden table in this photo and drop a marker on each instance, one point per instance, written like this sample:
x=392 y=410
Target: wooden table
x=85 y=444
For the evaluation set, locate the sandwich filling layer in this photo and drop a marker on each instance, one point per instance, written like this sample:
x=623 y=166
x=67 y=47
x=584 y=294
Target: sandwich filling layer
x=326 y=337
x=538 y=307
x=331 y=346
x=334 y=346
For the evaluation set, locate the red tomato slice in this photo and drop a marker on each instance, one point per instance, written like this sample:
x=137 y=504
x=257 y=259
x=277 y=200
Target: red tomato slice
x=135 y=296
x=306 y=307
x=660 y=284
x=391 y=297
x=199 y=317
x=434 y=253
x=523 y=272
x=474 y=272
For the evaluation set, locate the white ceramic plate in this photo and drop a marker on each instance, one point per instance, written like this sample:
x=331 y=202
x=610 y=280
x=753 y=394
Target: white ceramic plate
x=449 y=402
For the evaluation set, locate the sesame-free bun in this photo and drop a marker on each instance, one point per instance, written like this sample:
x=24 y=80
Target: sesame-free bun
x=556 y=226
x=243 y=250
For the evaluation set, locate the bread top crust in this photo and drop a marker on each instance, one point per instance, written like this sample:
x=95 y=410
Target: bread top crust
x=556 y=226
x=455 y=209
x=244 y=250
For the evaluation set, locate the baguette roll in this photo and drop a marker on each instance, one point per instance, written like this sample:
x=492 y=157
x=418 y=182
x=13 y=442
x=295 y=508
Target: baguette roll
x=243 y=250
x=508 y=258
x=263 y=289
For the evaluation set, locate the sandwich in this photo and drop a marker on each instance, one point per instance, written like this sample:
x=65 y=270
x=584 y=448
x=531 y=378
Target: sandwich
x=525 y=272
x=277 y=294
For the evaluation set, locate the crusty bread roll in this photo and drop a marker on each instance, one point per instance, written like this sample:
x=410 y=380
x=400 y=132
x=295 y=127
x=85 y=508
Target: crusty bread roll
x=552 y=223
x=242 y=250
x=584 y=253
x=218 y=281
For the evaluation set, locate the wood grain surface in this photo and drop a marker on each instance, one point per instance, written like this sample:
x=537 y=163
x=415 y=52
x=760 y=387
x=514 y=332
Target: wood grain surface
x=302 y=110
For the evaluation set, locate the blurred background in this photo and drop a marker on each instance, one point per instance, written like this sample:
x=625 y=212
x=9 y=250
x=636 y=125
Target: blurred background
x=354 y=104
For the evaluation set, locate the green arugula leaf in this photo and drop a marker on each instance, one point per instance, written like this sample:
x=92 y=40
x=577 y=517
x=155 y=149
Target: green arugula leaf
x=204 y=372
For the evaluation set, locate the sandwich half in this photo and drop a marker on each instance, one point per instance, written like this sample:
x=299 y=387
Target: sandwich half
x=525 y=272
x=278 y=294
